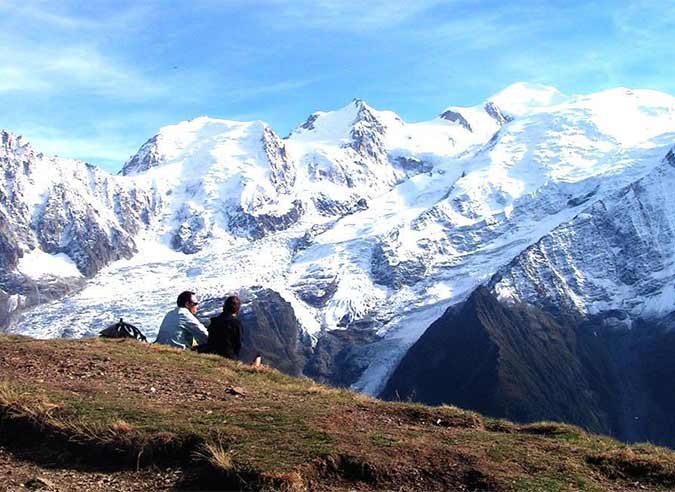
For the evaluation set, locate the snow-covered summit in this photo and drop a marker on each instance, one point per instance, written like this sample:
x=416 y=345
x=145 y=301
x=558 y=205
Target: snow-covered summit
x=175 y=142
x=521 y=98
x=336 y=127
x=630 y=116
x=486 y=118
x=217 y=178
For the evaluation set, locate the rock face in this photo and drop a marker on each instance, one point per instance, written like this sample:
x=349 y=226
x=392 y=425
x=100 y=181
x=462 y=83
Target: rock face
x=273 y=331
x=283 y=171
x=340 y=357
x=387 y=269
x=617 y=255
x=456 y=117
x=270 y=329
x=493 y=110
x=518 y=362
x=68 y=207
x=367 y=133
x=510 y=362
x=147 y=157
x=257 y=226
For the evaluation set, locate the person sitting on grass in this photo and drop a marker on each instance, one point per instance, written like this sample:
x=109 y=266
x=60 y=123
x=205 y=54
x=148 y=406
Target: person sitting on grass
x=180 y=326
x=225 y=331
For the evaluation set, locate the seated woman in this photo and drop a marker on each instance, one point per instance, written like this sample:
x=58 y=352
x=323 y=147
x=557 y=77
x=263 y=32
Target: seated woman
x=225 y=331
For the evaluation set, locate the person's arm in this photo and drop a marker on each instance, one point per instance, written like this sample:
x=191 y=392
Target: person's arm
x=195 y=328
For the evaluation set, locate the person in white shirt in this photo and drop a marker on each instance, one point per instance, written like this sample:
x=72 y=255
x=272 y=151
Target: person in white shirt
x=180 y=326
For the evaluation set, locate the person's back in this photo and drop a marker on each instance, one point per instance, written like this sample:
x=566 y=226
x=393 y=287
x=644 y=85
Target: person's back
x=225 y=334
x=225 y=331
x=180 y=326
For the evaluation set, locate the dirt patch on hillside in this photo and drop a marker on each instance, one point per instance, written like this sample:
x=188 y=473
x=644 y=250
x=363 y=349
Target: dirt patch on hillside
x=187 y=421
x=19 y=473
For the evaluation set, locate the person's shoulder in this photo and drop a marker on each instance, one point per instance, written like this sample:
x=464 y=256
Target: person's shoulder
x=185 y=313
x=171 y=312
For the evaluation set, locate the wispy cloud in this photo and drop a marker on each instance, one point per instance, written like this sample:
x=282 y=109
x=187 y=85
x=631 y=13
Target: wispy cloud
x=331 y=15
x=44 y=49
x=352 y=14
x=16 y=79
x=644 y=22
x=37 y=68
x=240 y=91
x=44 y=13
x=69 y=15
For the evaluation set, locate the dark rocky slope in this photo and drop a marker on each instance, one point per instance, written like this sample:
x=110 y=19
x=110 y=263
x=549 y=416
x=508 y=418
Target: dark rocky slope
x=520 y=363
x=270 y=329
x=340 y=356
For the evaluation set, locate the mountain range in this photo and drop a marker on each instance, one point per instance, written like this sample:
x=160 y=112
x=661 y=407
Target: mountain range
x=515 y=257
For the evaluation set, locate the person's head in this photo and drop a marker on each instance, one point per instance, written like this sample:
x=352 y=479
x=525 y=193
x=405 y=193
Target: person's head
x=189 y=301
x=232 y=305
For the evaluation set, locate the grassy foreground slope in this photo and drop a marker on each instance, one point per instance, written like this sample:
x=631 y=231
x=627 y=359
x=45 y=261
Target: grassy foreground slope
x=125 y=405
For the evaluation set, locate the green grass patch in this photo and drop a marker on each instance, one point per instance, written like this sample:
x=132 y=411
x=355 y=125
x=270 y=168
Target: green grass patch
x=383 y=440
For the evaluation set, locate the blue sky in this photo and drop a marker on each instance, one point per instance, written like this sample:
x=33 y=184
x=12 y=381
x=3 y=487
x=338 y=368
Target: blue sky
x=93 y=80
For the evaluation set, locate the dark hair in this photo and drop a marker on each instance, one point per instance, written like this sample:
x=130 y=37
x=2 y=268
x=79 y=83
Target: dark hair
x=184 y=298
x=231 y=305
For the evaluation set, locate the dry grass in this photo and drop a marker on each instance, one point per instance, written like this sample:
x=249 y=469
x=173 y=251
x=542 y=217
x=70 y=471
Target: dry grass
x=217 y=456
x=121 y=427
x=57 y=422
x=15 y=403
x=103 y=399
x=648 y=464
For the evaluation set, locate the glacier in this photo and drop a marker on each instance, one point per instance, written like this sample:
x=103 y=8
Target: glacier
x=357 y=218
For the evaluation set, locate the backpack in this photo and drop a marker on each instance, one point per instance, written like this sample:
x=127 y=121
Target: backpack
x=123 y=330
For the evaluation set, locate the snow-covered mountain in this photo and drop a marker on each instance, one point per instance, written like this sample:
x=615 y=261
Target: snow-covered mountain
x=60 y=221
x=616 y=256
x=365 y=222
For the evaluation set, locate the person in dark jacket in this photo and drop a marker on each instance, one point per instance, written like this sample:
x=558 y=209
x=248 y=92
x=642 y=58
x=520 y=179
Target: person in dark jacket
x=225 y=331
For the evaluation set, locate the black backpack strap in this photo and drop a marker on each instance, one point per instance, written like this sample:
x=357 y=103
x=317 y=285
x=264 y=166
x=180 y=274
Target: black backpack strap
x=128 y=329
x=138 y=334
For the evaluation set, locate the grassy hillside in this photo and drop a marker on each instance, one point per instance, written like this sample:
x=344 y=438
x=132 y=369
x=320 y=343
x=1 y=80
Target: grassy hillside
x=121 y=405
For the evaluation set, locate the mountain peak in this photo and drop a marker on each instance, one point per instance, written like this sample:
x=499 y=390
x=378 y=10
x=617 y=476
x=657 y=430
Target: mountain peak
x=523 y=97
x=10 y=140
x=11 y=143
x=328 y=125
x=173 y=140
x=362 y=106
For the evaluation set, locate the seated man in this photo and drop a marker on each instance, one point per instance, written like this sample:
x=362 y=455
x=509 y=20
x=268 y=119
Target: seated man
x=180 y=326
x=225 y=331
